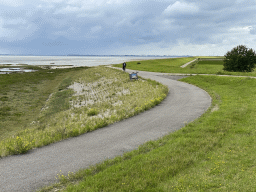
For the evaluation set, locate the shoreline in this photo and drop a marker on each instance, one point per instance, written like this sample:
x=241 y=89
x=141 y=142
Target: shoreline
x=71 y=60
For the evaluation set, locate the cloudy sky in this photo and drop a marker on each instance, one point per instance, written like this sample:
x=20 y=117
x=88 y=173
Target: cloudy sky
x=101 y=27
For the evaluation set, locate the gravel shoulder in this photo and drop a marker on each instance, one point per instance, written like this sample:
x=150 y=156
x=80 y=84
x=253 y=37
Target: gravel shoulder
x=39 y=167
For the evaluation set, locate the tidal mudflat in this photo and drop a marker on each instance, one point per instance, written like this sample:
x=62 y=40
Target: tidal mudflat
x=72 y=60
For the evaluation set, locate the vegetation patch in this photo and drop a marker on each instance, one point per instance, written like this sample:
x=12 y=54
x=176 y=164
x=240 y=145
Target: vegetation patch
x=50 y=105
x=92 y=112
x=193 y=64
x=210 y=62
x=241 y=59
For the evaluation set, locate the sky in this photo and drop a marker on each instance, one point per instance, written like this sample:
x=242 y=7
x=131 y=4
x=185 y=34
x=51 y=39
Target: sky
x=126 y=27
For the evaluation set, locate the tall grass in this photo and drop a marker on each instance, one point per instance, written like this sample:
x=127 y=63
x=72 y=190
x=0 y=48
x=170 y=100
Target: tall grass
x=88 y=100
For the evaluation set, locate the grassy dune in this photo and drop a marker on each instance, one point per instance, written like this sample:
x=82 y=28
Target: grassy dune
x=50 y=105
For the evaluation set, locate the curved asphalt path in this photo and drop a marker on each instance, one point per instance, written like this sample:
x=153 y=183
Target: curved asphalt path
x=39 y=167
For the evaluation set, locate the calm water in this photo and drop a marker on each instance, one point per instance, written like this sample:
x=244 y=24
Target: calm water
x=72 y=60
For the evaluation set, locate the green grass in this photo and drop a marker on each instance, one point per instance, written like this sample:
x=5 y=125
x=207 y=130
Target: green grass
x=210 y=62
x=158 y=65
x=22 y=96
x=51 y=105
x=210 y=57
x=205 y=65
x=214 y=153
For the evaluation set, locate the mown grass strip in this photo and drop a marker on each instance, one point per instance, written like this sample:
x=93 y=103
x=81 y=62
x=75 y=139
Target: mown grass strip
x=214 y=153
x=204 y=66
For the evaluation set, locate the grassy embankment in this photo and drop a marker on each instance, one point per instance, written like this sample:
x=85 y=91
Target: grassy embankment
x=214 y=153
x=204 y=65
x=40 y=108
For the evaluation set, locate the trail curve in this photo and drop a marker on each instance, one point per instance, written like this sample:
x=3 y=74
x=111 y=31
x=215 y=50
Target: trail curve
x=39 y=167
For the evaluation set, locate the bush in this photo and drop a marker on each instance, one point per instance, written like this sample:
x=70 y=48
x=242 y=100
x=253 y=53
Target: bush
x=19 y=146
x=92 y=112
x=240 y=59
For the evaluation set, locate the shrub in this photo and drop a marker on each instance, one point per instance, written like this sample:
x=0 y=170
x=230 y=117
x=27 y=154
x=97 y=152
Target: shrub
x=92 y=112
x=18 y=146
x=240 y=58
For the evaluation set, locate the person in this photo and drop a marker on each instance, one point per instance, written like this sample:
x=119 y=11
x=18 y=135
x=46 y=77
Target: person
x=124 y=65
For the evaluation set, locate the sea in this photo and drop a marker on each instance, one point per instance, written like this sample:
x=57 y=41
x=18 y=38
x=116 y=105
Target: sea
x=74 y=60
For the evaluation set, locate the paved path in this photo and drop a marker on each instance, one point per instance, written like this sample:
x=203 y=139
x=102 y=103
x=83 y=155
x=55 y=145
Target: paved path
x=39 y=167
x=194 y=74
x=186 y=64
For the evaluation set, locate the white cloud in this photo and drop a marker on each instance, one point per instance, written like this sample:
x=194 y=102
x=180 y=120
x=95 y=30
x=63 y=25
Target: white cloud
x=96 y=29
x=68 y=9
x=181 y=8
x=239 y=1
x=129 y=26
x=44 y=7
x=3 y=51
x=5 y=32
x=241 y=30
x=253 y=30
x=16 y=29
x=12 y=3
x=52 y=1
x=118 y=1
x=17 y=21
x=71 y=33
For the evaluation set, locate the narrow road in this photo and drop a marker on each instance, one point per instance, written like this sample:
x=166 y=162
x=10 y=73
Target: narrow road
x=39 y=167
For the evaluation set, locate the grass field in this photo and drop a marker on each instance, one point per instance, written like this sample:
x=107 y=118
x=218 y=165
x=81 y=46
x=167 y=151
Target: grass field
x=22 y=95
x=210 y=57
x=204 y=65
x=214 y=153
x=47 y=106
